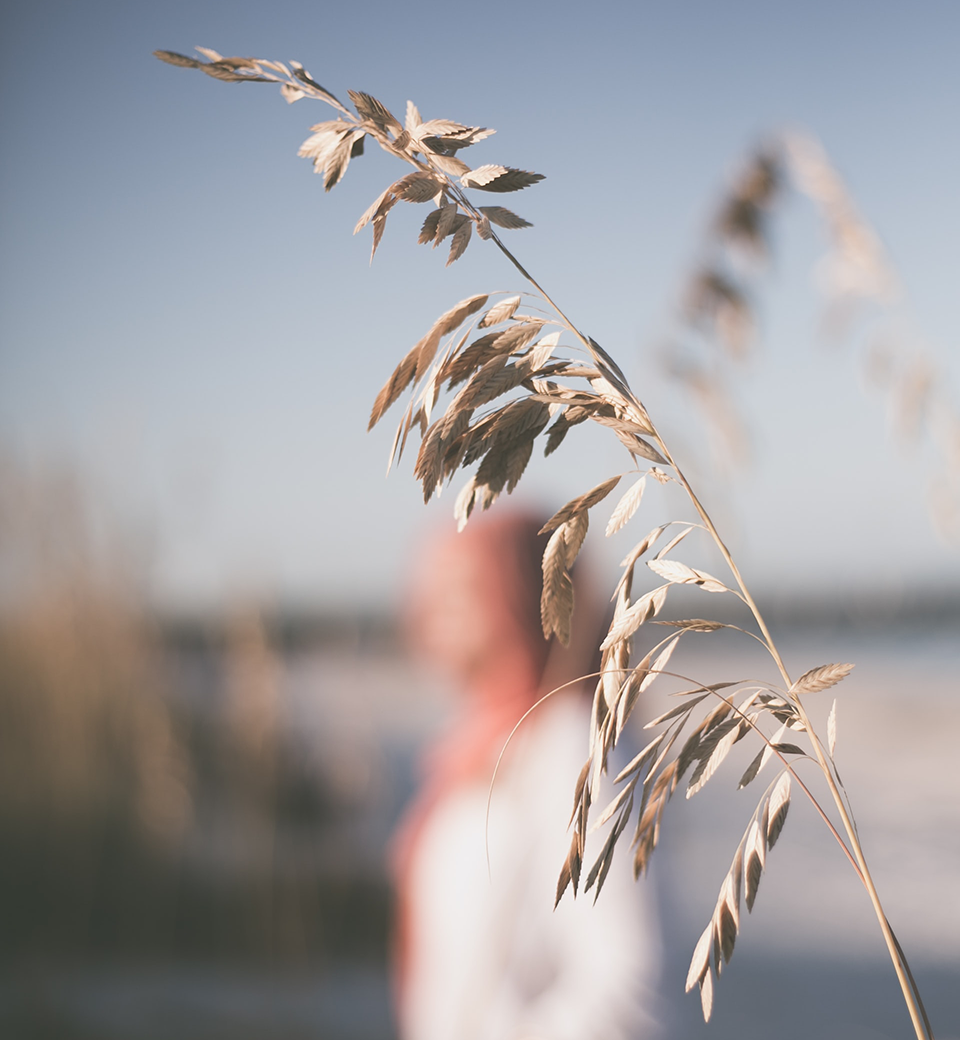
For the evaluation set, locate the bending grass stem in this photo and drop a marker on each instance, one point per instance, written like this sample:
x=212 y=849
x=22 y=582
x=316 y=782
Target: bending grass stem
x=912 y=998
x=918 y=1016
x=907 y=985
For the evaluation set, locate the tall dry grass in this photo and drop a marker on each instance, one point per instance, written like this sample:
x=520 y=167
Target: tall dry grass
x=151 y=804
x=94 y=779
x=492 y=375
x=719 y=317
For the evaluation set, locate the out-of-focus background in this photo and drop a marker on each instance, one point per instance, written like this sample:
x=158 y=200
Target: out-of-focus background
x=208 y=727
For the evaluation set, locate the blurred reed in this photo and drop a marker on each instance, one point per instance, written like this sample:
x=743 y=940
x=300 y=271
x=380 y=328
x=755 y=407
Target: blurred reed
x=150 y=805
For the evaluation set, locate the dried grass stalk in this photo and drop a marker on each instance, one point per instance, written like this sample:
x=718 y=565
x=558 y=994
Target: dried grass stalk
x=519 y=374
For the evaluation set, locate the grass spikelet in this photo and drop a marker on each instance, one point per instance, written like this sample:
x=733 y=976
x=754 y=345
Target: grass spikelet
x=514 y=389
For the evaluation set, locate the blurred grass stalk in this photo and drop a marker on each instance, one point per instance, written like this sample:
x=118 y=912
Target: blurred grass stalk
x=94 y=782
x=140 y=818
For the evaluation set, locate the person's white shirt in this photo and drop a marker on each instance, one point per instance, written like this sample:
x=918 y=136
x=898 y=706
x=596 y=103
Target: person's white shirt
x=491 y=959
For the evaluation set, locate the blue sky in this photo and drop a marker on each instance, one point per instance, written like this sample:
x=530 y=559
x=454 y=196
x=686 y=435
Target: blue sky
x=187 y=320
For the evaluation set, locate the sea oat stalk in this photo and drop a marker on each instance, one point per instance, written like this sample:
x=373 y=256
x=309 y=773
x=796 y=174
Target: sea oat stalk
x=506 y=377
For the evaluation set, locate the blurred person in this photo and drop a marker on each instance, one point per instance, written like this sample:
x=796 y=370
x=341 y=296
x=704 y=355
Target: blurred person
x=484 y=956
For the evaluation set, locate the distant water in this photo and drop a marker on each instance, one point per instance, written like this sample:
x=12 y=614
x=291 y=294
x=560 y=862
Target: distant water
x=809 y=961
x=898 y=717
x=784 y=998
